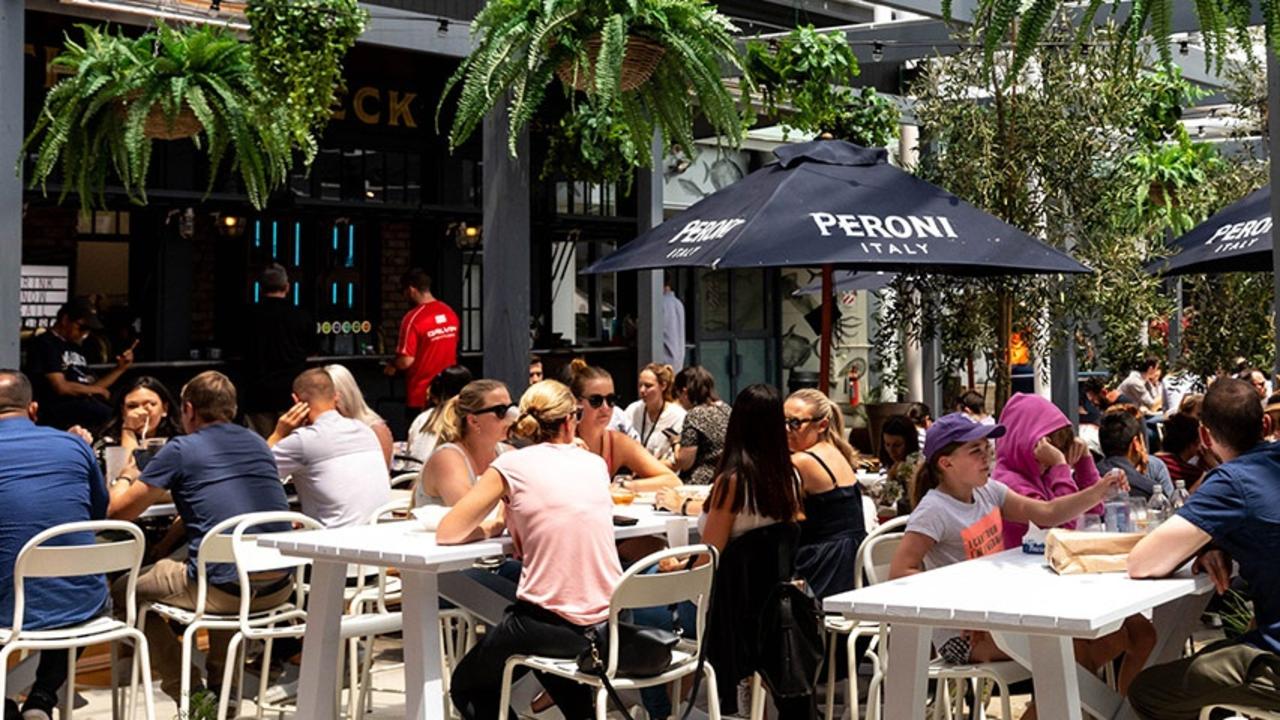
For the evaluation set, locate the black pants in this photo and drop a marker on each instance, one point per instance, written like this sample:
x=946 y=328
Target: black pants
x=51 y=673
x=525 y=630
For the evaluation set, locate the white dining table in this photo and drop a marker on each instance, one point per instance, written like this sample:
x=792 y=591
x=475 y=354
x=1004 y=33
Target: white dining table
x=1033 y=614
x=422 y=564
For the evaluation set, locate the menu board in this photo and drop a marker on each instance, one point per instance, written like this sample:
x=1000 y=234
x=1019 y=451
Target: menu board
x=44 y=290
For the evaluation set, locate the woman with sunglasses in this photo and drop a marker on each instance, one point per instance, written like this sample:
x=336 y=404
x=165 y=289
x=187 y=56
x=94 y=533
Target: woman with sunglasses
x=593 y=388
x=473 y=425
x=834 y=525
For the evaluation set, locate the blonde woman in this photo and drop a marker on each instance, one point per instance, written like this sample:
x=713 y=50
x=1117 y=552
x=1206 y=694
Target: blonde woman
x=557 y=506
x=473 y=425
x=656 y=417
x=834 y=524
x=351 y=404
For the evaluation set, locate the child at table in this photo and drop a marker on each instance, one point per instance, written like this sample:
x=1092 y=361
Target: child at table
x=958 y=516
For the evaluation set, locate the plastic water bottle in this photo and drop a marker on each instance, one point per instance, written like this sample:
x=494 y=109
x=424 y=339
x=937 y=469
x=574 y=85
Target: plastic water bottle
x=1180 y=494
x=1158 y=508
x=1115 y=511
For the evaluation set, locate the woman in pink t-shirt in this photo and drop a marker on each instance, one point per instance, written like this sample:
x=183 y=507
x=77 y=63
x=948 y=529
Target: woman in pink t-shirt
x=560 y=514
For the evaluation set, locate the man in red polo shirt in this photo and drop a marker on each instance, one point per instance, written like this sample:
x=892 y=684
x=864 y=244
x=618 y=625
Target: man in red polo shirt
x=428 y=339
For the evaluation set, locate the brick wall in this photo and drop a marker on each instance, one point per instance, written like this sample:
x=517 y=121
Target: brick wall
x=396 y=261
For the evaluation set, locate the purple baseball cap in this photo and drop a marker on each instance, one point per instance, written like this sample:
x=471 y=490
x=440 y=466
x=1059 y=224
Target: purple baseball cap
x=957 y=428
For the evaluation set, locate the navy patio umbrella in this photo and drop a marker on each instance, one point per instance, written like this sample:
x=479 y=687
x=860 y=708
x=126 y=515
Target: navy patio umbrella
x=836 y=205
x=1235 y=239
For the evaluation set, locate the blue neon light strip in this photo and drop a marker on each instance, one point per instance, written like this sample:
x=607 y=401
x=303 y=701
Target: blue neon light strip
x=297 y=244
x=334 y=288
x=257 y=290
x=335 y=238
x=257 y=233
x=351 y=246
x=295 y=294
x=275 y=237
x=351 y=294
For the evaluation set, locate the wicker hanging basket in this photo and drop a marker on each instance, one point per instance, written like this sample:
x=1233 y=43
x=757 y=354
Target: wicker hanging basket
x=639 y=62
x=157 y=127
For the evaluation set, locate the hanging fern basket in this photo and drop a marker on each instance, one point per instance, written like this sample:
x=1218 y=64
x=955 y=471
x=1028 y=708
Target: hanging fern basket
x=157 y=125
x=641 y=59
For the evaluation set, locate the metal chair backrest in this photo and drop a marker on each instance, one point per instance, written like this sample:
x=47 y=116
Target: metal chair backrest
x=250 y=557
x=388 y=512
x=876 y=552
x=219 y=545
x=39 y=559
x=640 y=588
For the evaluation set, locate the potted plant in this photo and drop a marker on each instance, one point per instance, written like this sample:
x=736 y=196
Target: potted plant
x=627 y=67
x=297 y=47
x=805 y=79
x=123 y=94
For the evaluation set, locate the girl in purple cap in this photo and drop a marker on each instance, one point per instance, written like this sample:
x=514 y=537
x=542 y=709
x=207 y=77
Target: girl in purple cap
x=959 y=515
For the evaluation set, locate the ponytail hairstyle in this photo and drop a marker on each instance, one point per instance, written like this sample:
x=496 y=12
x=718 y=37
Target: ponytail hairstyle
x=444 y=387
x=579 y=373
x=544 y=408
x=452 y=416
x=824 y=409
x=929 y=475
x=666 y=377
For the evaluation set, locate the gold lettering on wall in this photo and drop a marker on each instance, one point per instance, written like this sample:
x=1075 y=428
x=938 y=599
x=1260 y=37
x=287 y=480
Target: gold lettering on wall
x=398 y=109
x=358 y=104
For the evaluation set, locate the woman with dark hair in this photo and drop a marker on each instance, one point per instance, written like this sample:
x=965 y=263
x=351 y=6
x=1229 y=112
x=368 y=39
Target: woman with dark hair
x=144 y=409
x=705 y=424
x=593 y=387
x=751 y=516
x=425 y=430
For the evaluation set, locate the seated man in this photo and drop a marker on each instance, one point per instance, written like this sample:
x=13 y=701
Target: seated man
x=47 y=478
x=216 y=471
x=1124 y=448
x=336 y=462
x=1234 y=515
x=1182 y=449
x=1142 y=387
x=68 y=393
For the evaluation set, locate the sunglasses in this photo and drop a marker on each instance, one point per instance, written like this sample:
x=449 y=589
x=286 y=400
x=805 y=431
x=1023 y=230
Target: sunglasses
x=500 y=410
x=794 y=424
x=596 y=401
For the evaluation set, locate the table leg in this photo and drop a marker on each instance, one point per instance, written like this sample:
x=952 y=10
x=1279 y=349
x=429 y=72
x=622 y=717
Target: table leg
x=906 y=678
x=423 y=668
x=323 y=640
x=1053 y=665
x=1095 y=696
x=1174 y=622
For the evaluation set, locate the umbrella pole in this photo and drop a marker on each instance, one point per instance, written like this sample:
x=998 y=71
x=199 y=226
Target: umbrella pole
x=824 y=369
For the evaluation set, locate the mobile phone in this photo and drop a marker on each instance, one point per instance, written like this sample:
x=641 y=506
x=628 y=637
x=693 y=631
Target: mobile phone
x=624 y=521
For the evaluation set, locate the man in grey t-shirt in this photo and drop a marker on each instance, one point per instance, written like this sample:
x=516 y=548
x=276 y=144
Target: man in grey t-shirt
x=336 y=462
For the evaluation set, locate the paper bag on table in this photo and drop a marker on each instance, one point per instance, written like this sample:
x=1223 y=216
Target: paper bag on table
x=1071 y=552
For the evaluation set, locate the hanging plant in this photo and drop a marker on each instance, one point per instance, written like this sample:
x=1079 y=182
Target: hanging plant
x=122 y=94
x=627 y=66
x=297 y=49
x=805 y=81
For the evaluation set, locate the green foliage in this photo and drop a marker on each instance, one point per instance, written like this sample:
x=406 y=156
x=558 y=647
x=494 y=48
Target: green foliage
x=91 y=127
x=297 y=50
x=1162 y=174
x=804 y=78
x=521 y=44
x=1221 y=22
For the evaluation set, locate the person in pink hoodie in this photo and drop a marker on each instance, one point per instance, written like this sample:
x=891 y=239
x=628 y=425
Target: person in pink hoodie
x=1040 y=457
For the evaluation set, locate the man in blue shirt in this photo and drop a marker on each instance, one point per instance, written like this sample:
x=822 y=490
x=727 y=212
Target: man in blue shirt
x=216 y=471
x=1233 y=515
x=47 y=477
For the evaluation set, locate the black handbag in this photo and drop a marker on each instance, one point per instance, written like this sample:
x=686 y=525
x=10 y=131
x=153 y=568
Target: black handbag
x=642 y=651
x=791 y=640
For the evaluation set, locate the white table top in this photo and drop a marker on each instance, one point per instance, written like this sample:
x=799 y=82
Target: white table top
x=169 y=509
x=407 y=545
x=1014 y=591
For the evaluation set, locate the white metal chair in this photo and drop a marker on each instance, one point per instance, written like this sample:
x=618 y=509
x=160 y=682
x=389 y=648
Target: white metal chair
x=637 y=589
x=876 y=554
x=1248 y=712
x=868 y=564
x=217 y=546
x=38 y=559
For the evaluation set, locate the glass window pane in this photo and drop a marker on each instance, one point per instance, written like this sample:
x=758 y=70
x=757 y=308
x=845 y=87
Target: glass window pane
x=564 y=290
x=374 y=176
x=395 y=177
x=413 y=178
x=748 y=300
x=715 y=301
x=714 y=356
x=328 y=172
